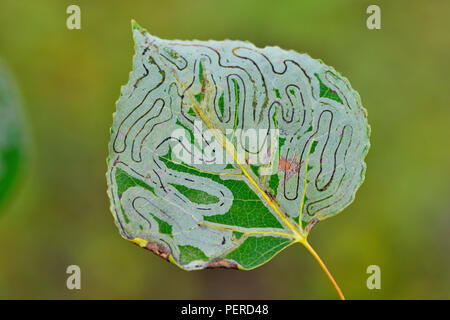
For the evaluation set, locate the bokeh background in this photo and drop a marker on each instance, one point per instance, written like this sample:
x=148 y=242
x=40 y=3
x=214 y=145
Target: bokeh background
x=58 y=214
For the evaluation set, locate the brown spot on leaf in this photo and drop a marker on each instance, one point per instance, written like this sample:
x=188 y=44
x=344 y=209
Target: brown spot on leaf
x=221 y=264
x=289 y=166
x=271 y=196
x=158 y=249
x=311 y=224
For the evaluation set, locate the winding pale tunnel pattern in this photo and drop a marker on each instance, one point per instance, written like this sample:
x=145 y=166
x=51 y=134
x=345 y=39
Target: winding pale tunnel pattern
x=213 y=214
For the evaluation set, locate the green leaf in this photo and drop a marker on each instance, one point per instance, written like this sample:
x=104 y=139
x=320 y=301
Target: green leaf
x=187 y=106
x=11 y=133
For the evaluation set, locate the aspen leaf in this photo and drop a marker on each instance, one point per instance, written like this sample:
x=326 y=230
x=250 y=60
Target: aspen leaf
x=173 y=193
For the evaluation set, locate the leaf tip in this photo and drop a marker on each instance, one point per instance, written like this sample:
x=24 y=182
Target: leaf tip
x=136 y=26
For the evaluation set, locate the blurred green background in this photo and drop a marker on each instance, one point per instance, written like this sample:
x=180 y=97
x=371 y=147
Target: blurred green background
x=70 y=79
